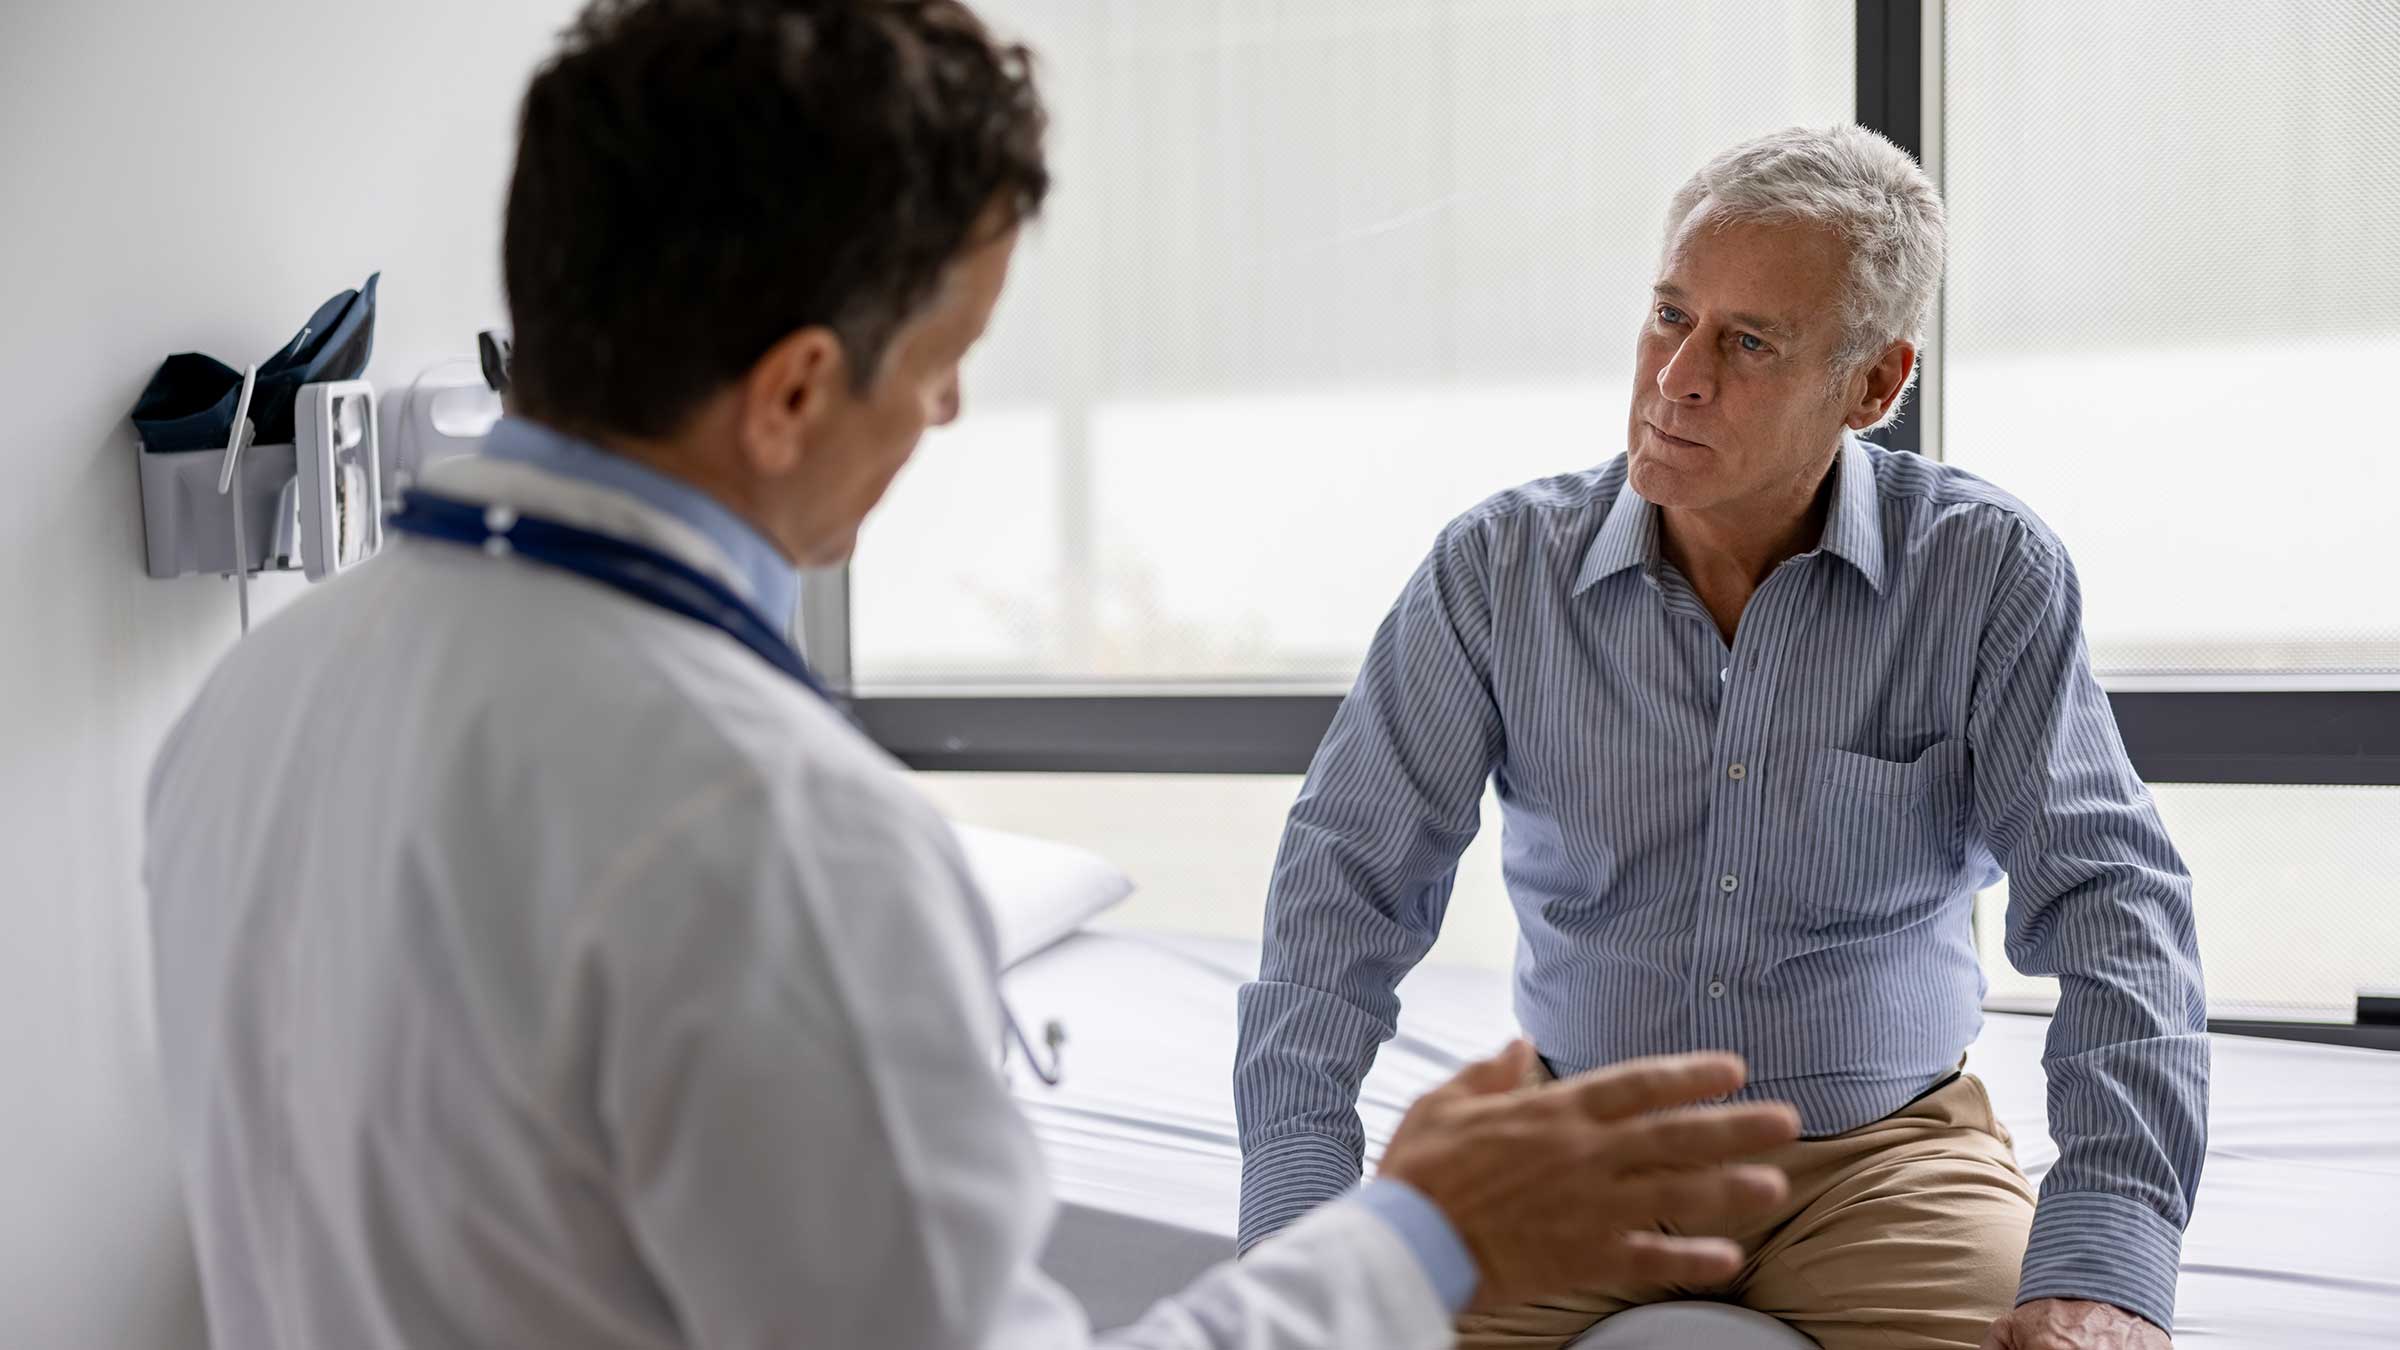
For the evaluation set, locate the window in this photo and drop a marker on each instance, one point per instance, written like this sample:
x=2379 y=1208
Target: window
x=2173 y=299
x=2172 y=315
x=1317 y=277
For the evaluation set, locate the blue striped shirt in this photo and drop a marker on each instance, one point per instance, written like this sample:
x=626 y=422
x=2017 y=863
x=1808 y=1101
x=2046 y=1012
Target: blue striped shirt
x=1772 y=847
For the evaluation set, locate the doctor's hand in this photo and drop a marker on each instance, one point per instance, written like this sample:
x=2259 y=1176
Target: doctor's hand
x=2074 y=1324
x=1564 y=1185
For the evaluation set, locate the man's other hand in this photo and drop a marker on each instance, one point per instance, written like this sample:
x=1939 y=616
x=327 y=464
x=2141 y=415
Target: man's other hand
x=2074 y=1324
x=1564 y=1185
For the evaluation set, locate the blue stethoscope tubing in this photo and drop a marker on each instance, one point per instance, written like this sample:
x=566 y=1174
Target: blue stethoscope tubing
x=657 y=579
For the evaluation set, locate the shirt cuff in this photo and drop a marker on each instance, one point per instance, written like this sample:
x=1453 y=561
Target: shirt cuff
x=2105 y=1249
x=1286 y=1178
x=1429 y=1236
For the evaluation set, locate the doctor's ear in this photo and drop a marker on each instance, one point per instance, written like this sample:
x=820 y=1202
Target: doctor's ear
x=788 y=397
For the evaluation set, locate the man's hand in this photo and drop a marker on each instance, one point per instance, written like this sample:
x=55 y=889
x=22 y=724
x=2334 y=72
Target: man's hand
x=2073 y=1324
x=1563 y=1186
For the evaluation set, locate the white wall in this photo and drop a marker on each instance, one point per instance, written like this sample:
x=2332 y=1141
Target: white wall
x=173 y=177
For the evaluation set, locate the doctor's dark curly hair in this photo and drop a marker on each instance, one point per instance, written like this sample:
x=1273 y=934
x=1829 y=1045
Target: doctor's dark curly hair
x=698 y=179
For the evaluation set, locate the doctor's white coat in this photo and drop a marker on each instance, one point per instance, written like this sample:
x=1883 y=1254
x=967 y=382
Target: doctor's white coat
x=538 y=968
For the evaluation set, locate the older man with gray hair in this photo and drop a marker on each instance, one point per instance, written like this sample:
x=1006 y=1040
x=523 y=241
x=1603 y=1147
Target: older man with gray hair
x=1765 y=707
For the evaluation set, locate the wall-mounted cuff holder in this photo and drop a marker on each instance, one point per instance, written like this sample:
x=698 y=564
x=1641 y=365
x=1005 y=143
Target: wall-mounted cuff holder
x=314 y=506
x=445 y=413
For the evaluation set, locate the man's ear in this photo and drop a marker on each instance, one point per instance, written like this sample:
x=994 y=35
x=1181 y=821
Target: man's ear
x=787 y=397
x=1873 y=390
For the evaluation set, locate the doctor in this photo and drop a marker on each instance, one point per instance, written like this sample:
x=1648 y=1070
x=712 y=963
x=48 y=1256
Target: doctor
x=543 y=961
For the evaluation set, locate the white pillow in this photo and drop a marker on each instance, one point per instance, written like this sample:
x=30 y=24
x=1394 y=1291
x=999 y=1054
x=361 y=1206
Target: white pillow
x=1039 y=891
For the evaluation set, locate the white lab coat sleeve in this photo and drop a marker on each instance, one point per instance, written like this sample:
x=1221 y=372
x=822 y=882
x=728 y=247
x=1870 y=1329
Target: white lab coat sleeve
x=807 y=1125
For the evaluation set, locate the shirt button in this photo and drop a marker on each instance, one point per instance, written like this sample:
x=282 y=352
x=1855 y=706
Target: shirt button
x=1736 y=772
x=1729 y=883
x=1716 y=989
x=1725 y=675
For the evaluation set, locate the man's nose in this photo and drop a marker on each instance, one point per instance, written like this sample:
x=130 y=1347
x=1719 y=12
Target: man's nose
x=1690 y=375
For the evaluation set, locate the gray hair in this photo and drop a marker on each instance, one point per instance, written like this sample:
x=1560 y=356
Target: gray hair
x=1866 y=190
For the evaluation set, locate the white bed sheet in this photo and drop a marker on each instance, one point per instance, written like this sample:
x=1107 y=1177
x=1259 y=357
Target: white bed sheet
x=2295 y=1241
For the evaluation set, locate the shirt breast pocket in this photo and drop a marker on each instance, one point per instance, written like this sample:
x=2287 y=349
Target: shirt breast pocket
x=1885 y=835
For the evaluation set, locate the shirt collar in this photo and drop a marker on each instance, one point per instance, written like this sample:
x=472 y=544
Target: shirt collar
x=1628 y=538
x=1854 y=526
x=774 y=584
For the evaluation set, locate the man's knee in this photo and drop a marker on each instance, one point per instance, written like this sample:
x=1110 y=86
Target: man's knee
x=1926 y=1254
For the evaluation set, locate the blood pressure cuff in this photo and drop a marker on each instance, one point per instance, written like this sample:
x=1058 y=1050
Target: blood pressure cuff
x=189 y=403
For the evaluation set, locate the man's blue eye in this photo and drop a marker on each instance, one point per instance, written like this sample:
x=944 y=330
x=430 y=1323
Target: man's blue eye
x=1670 y=314
x=1750 y=343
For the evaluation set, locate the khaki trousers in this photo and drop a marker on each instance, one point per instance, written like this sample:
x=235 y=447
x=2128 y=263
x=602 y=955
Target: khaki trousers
x=1906 y=1234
